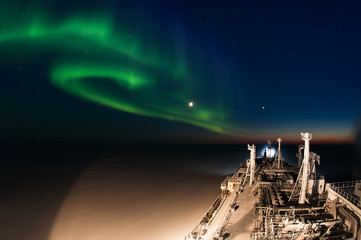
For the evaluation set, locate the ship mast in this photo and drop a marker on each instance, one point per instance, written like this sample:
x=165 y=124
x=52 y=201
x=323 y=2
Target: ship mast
x=305 y=175
x=253 y=162
x=279 y=140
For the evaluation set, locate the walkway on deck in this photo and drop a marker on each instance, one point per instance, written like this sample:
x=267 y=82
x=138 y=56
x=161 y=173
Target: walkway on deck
x=219 y=218
x=240 y=224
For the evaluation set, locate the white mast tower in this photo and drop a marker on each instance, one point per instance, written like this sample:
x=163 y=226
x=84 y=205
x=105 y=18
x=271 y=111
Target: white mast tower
x=306 y=162
x=253 y=162
x=279 y=140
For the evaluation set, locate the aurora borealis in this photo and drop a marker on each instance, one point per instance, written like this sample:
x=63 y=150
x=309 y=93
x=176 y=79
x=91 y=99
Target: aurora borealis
x=249 y=71
x=116 y=71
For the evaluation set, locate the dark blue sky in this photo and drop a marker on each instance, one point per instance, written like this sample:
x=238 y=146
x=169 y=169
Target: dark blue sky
x=126 y=70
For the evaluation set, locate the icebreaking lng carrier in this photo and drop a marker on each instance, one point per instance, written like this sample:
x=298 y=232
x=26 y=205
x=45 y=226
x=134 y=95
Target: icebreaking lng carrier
x=268 y=198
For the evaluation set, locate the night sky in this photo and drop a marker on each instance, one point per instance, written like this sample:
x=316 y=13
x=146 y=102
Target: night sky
x=180 y=71
x=88 y=89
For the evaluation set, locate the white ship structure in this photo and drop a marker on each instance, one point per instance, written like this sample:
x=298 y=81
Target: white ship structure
x=269 y=198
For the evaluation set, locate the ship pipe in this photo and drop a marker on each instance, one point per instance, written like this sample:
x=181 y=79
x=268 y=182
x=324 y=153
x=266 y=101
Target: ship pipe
x=355 y=222
x=300 y=147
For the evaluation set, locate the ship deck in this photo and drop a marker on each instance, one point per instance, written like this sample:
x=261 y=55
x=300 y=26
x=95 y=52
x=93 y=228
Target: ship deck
x=240 y=224
x=270 y=208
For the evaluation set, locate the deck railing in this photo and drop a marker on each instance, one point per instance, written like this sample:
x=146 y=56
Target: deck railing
x=341 y=187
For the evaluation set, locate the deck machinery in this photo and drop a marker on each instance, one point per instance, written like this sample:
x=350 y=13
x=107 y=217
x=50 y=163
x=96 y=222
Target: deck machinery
x=292 y=202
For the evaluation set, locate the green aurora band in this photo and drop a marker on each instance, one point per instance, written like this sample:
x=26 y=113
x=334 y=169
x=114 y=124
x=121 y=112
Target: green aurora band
x=94 y=62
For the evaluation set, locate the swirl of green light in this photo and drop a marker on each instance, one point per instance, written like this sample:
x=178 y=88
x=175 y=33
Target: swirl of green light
x=121 y=74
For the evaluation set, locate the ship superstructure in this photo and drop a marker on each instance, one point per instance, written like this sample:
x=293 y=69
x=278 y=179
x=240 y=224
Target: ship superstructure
x=269 y=198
